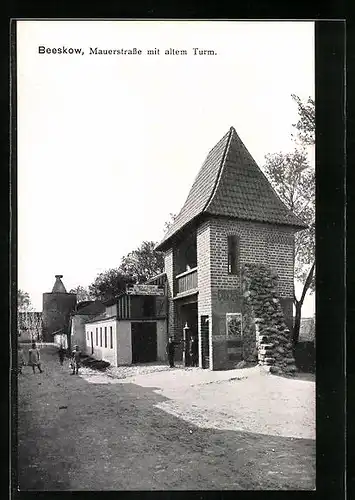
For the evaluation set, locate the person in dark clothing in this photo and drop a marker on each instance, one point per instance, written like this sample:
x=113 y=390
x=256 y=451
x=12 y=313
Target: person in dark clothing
x=61 y=354
x=76 y=360
x=170 y=349
x=194 y=351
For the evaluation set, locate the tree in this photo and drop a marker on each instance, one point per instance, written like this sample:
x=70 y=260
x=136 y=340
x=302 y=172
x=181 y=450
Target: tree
x=306 y=124
x=169 y=222
x=143 y=263
x=109 y=284
x=82 y=293
x=23 y=300
x=293 y=178
x=28 y=320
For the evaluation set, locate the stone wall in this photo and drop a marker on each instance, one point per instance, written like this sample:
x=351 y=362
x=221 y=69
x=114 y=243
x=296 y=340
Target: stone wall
x=259 y=285
x=259 y=243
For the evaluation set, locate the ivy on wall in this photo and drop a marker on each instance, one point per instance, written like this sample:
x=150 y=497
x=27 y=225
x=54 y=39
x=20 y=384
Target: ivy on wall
x=263 y=311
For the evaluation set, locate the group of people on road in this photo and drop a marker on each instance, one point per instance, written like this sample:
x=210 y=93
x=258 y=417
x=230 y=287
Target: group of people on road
x=74 y=362
x=191 y=352
x=34 y=359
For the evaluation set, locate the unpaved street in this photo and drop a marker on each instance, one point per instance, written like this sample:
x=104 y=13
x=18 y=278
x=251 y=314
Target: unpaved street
x=77 y=435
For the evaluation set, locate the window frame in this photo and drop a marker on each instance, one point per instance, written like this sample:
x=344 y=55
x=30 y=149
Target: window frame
x=111 y=338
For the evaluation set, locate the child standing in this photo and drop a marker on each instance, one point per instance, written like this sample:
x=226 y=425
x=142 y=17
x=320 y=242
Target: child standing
x=34 y=358
x=61 y=353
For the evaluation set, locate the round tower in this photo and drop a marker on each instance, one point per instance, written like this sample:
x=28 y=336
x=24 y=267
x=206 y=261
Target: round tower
x=57 y=307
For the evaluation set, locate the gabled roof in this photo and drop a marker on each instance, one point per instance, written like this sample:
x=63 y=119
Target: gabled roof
x=230 y=183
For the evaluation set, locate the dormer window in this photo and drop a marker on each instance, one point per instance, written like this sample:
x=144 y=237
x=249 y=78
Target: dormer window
x=233 y=254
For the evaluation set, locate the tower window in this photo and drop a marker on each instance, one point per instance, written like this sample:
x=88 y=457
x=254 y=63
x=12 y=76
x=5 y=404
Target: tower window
x=233 y=254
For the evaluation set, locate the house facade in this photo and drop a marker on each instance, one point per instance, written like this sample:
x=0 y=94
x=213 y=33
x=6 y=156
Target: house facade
x=83 y=313
x=131 y=330
x=231 y=217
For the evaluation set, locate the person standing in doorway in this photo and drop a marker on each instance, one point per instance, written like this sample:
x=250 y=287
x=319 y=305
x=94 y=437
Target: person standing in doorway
x=194 y=351
x=61 y=354
x=76 y=360
x=34 y=358
x=170 y=350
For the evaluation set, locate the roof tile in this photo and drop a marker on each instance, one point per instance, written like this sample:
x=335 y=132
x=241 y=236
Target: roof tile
x=230 y=183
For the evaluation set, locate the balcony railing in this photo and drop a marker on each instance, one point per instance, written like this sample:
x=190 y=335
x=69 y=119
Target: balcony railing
x=186 y=281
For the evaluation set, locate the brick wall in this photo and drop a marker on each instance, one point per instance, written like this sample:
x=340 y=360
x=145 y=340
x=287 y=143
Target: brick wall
x=259 y=244
x=204 y=279
x=267 y=244
x=169 y=267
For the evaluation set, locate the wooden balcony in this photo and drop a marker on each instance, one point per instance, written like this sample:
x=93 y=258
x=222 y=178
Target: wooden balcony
x=186 y=282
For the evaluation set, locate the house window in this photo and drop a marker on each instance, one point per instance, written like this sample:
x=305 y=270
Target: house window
x=233 y=251
x=97 y=337
x=100 y=336
x=111 y=338
x=105 y=336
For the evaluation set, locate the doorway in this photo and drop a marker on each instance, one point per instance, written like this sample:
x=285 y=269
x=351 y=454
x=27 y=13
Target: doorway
x=188 y=317
x=144 y=342
x=92 y=342
x=205 y=341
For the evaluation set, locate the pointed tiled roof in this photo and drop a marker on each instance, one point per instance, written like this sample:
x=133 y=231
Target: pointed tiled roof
x=58 y=286
x=230 y=183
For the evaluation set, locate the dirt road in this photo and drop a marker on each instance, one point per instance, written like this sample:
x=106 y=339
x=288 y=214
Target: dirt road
x=74 y=435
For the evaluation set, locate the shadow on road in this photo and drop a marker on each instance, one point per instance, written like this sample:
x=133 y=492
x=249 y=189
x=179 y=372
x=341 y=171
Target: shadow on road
x=75 y=435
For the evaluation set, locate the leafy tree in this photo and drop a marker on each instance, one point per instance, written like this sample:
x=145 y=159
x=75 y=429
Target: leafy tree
x=143 y=263
x=169 y=222
x=23 y=300
x=306 y=124
x=293 y=178
x=109 y=284
x=28 y=320
x=82 y=293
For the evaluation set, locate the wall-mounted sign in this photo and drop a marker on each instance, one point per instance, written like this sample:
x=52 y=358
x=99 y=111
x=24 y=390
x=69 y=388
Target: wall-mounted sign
x=234 y=325
x=227 y=295
x=145 y=290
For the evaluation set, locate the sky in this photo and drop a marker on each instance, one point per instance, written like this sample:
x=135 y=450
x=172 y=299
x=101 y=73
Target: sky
x=109 y=145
